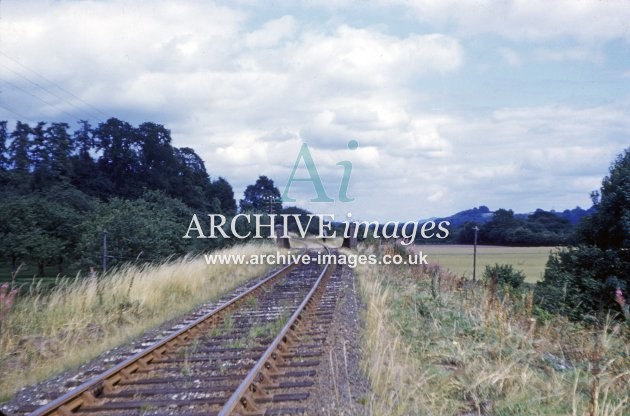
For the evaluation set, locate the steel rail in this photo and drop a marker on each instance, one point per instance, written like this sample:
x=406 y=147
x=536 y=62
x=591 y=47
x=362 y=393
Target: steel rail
x=81 y=395
x=238 y=398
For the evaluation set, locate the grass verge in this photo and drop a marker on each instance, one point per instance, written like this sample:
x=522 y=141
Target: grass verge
x=434 y=346
x=459 y=258
x=48 y=332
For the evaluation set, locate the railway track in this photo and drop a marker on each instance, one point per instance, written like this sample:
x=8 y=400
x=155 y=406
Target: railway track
x=255 y=355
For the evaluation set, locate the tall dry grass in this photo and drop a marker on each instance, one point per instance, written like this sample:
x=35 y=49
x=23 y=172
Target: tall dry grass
x=436 y=346
x=49 y=331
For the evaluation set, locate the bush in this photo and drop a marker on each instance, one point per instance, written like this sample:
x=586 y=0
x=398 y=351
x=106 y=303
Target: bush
x=504 y=274
x=592 y=279
x=580 y=282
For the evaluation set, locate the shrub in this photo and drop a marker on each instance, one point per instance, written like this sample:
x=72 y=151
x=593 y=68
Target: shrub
x=580 y=282
x=590 y=281
x=504 y=274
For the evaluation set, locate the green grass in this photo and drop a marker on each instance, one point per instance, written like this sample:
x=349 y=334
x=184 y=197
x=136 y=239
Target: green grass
x=270 y=329
x=28 y=271
x=459 y=258
x=40 y=284
x=50 y=330
x=452 y=351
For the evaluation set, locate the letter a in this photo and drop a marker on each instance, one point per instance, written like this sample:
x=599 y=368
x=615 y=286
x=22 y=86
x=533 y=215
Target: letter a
x=313 y=177
x=194 y=226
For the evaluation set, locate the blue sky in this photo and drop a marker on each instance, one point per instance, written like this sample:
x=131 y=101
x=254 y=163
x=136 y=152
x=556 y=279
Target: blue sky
x=511 y=104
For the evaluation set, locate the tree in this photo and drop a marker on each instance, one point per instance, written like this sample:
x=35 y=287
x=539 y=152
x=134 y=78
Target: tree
x=263 y=196
x=158 y=164
x=4 y=135
x=59 y=143
x=582 y=281
x=41 y=227
x=466 y=233
x=83 y=140
x=19 y=149
x=496 y=231
x=59 y=189
x=542 y=220
x=503 y=275
x=192 y=181
x=86 y=174
x=609 y=227
x=577 y=282
x=222 y=190
x=149 y=228
x=119 y=160
x=40 y=155
x=538 y=229
x=303 y=215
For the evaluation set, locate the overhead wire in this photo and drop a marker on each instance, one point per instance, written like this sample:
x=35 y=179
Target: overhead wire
x=17 y=87
x=55 y=84
x=15 y=113
x=92 y=113
x=88 y=113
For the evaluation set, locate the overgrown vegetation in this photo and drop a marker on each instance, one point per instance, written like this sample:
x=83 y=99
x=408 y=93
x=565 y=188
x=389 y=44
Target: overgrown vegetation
x=59 y=191
x=541 y=228
x=502 y=227
x=436 y=344
x=113 y=159
x=48 y=331
x=501 y=275
x=592 y=279
x=269 y=329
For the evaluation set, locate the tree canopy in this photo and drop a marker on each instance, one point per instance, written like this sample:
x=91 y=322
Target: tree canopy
x=541 y=228
x=60 y=189
x=609 y=227
x=263 y=196
x=583 y=281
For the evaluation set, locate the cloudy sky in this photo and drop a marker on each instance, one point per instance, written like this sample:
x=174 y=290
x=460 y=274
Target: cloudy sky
x=514 y=104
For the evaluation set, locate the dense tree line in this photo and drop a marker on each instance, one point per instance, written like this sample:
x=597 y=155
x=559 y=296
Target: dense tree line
x=542 y=228
x=59 y=189
x=113 y=159
x=592 y=277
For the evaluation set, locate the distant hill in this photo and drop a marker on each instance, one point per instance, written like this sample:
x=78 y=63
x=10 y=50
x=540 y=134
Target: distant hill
x=479 y=215
x=483 y=214
x=576 y=214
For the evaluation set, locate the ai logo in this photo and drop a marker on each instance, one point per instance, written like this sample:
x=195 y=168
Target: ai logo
x=314 y=178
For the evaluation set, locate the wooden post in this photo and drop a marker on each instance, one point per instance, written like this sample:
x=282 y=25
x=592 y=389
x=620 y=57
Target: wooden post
x=281 y=240
x=350 y=241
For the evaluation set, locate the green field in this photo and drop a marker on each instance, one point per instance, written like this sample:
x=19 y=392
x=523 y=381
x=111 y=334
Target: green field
x=459 y=258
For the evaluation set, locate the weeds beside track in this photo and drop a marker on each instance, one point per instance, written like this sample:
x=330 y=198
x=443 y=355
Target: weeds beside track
x=434 y=347
x=269 y=337
x=53 y=330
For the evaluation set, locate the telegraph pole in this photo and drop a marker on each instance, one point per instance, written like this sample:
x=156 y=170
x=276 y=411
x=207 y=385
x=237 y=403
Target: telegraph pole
x=104 y=250
x=475 y=254
x=270 y=200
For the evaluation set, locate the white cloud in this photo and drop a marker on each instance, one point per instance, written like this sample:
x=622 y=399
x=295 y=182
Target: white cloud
x=364 y=58
x=544 y=165
x=534 y=20
x=245 y=93
x=437 y=196
x=271 y=33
